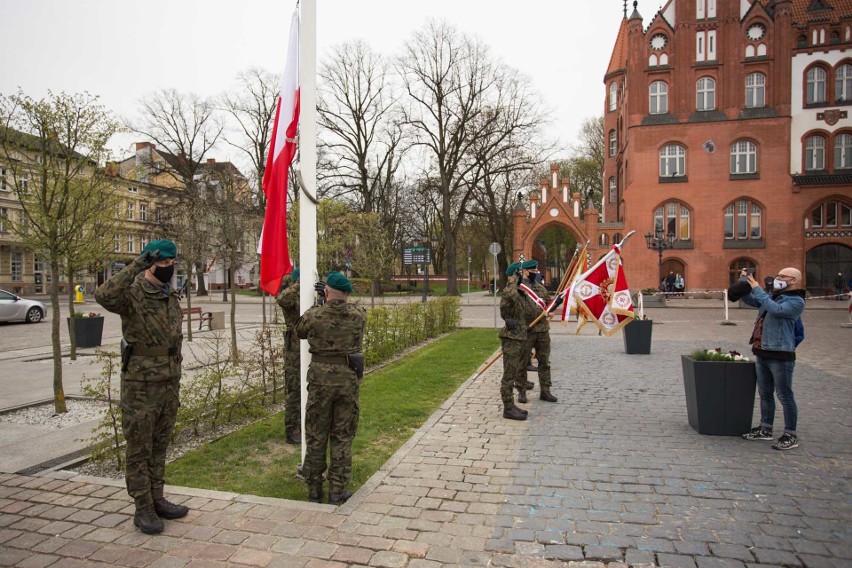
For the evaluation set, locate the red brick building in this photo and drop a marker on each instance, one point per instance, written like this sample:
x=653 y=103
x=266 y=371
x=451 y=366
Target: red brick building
x=717 y=138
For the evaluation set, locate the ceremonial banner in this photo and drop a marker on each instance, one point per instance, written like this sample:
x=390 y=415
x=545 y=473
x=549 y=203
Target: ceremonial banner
x=570 y=305
x=602 y=295
x=273 y=248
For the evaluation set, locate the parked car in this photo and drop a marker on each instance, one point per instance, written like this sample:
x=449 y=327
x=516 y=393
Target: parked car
x=15 y=308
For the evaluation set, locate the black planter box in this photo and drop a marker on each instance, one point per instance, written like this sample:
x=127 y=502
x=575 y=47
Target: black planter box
x=637 y=337
x=88 y=331
x=719 y=396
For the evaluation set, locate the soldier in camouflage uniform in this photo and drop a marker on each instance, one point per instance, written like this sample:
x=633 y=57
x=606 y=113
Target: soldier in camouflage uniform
x=288 y=299
x=150 y=379
x=335 y=332
x=538 y=337
x=513 y=339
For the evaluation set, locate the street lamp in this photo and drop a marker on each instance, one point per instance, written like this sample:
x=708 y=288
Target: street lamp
x=659 y=242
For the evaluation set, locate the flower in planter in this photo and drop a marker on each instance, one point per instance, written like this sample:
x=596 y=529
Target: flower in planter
x=718 y=355
x=87 y=314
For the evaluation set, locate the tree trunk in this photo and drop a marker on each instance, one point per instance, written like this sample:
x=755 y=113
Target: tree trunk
x=59 y=405
x=201 y=289
x=450 y=247
x=235 y=355
x=189 y=306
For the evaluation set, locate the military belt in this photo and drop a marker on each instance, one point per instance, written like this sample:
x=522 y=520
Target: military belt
x=332 y=359
x=154 y=351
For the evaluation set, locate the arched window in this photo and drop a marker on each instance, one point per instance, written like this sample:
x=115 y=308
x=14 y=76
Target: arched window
x=755 y=90
x=831 y=214
x=843 y=151
x=652 y=60
x=749 y=51
x=673 y=217
x=705 y=94
x=672 y=160
x=815 y=153
x=604 y=240
x=613 y=143
x=815 y=81
x=613 y=189
x=843 y=83
x=742 y=221
x=659 y=97
x=664 y=59
x=736 y=268
x=761 y=49
x=613 y=96
x=743 y=157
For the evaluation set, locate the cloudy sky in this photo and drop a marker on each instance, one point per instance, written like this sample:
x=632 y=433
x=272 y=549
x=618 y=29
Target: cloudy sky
x=123 y=49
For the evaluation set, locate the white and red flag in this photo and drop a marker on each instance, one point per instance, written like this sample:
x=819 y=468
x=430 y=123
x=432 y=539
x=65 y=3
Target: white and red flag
x=602 y=295
x=273 y=248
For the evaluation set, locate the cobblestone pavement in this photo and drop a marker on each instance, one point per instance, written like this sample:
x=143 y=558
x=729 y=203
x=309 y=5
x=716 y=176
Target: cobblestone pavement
x=611 y=474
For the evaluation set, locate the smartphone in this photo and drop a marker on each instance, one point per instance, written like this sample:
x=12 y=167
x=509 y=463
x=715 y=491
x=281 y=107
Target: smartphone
x=750 y=271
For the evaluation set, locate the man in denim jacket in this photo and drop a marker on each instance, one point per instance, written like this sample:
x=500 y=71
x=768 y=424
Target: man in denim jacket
x=774 y=343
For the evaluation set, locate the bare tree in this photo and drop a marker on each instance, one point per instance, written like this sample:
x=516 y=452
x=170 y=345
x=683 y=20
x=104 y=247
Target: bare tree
x=449 y=78
x=586 y=164
x=186 y=127
x=53 y=147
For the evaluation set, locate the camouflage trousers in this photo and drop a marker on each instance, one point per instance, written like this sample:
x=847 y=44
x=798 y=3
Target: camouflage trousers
x=148 y=414
x=540 y=341
x=331 y=420
x=292 y=390
x=514 y=368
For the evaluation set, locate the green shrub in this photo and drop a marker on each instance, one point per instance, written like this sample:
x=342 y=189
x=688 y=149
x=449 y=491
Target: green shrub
x=391 y=330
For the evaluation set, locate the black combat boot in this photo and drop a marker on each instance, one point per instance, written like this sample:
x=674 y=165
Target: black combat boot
x=522 y=396
x=315 y=493
x=168 y=510
x=147 y=520
x=521 y=409
x=532 y=368
x=339 y=498
x=294 y=437
x=530 y=385
x=545 y=395
x=514 y=413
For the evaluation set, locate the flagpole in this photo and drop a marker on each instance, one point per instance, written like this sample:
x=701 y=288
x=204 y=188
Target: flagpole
x=308 y=167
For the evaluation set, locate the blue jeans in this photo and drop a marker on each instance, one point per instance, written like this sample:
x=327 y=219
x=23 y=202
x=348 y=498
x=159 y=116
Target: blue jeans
x=776 y=376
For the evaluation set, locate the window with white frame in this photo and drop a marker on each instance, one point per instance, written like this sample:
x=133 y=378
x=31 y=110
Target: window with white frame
x=711 y=45
x=17 y=258
x=843 y=83
x=130 y=209
x=613 y=189
x=743 y=157
x=3 y=185
x=673 y=217
x=672 y=161
x=815 y=153
x=699 y=46
x=116 y=243
x=143 y=211
x=705 y=46
x=133 y=189
x=613 y=96
x=4 y=219
x=24 y=182
x=815 y=85
x=613 y=143
x=831 y=214
x=705 y=9
x=129 y=243
x=658 y=93
x=705 y=94
x=755 y=90
x=742 y=221
x=843 y=151
x=143 y=242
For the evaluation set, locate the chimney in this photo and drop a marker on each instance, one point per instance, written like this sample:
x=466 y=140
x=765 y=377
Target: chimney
x=142 y=145
x=211 y=160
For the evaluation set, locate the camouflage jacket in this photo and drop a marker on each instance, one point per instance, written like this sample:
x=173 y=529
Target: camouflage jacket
x=149 y=319
x=515 y=304
x=334 y=329
x=288 y=299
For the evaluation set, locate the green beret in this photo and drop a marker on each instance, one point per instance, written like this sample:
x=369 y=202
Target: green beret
x=514 y=267
x=529 y=264
x=294 y=276
x=167 y=248
x=338 y=281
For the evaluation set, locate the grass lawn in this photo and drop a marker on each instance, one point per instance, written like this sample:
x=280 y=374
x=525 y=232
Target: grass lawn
x=395 y=401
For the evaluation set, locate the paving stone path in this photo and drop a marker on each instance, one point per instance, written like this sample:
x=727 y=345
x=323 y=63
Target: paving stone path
x=612 y=475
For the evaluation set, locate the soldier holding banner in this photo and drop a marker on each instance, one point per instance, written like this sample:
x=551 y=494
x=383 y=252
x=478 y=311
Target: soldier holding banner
x=513 y=338
x=535 y=300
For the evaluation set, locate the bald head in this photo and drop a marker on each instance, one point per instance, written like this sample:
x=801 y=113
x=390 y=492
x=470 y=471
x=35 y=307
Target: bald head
x=792 y=276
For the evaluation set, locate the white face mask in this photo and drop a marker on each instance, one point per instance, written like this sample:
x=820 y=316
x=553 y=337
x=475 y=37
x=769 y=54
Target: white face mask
x=778 y=284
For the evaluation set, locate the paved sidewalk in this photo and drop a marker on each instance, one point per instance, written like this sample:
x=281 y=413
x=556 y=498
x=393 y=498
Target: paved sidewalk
x=611 y=474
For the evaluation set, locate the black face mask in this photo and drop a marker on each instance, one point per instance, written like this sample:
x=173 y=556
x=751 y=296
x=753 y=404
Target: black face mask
x=164 y=273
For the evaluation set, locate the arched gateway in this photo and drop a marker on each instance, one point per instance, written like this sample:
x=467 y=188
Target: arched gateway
x=553 y=222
